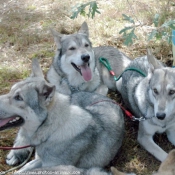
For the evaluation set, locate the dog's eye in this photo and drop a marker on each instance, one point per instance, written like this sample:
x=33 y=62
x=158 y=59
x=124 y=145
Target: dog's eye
x=155 y=91
x=171 y=92
x=18 y=98
x=86 y=45
x=72 y=48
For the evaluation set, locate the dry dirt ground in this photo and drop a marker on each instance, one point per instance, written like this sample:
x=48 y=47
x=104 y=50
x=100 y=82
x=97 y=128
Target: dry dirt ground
x=24 y=34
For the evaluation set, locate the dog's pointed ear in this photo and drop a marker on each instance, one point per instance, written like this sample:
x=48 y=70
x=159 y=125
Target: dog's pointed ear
x=47 y=91
x=155 y=64
x=84 y=29
x=57 y=38
x=36 y=69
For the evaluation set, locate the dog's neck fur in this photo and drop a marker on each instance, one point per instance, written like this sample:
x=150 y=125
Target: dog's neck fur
x=59 y=102
x=71 y=114
x=57 y=63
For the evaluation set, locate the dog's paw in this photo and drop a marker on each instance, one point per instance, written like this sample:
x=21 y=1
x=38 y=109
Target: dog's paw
x=17 y=156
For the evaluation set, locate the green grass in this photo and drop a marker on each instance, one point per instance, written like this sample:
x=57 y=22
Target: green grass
x=9 y=77
x=6 y=139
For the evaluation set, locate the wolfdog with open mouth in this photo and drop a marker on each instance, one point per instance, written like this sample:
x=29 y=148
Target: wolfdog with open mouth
x=84 y=130
x=76 y=65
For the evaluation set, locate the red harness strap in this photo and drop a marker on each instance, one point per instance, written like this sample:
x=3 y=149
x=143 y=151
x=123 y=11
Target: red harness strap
x=132 y=117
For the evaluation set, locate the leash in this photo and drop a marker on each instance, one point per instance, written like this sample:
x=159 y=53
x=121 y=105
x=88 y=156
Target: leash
x=106 y=63
x=19 y=166
x=14 y=148
x=23 y=163
x=129 y=114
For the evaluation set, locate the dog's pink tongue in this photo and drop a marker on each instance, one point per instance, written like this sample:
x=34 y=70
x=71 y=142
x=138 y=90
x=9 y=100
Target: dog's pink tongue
x=86 y=72
x=4 y=121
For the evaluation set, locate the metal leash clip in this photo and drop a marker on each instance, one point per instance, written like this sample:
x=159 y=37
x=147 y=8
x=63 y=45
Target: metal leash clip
x=138 y=119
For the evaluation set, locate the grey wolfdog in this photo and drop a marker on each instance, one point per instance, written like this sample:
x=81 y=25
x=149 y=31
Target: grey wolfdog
x=84 y=130
x=151 y=97
x=76 y=65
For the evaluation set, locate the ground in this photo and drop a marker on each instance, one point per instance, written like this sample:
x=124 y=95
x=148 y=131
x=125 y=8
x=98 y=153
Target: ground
x=24 y=28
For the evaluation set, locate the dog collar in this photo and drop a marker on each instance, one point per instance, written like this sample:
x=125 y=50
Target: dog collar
x=73 y=89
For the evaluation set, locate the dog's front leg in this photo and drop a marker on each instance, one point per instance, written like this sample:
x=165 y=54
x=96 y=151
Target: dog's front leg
x=145 y=138
x=18 y=156
x=171 y=135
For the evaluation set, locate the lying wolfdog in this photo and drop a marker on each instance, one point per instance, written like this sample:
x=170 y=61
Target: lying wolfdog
x=76 y=65
x=84 y=130
x=151 y=97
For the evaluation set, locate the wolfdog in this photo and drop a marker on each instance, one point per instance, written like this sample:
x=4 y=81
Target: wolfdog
x=73 y=130
x=151 y=97
x=76 y=65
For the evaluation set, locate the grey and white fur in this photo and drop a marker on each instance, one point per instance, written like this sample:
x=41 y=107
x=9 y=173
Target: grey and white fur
x=151 y=97
x=76 y=65
x=84 y=130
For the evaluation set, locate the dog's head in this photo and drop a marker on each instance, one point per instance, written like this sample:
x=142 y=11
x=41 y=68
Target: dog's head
x=26 y=103
x=161 y=89
x=75 y=54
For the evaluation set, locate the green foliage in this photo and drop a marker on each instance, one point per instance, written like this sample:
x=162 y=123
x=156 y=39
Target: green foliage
x=161 y=27
x=81 y=9
x=129 y=37
x=163 y=31
x=158 y=32
x=128 y=18
x=156 y=20
x=128 y=32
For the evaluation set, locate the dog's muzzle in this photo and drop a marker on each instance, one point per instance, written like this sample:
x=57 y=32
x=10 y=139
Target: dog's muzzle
x=84 y=69
x=85 y=57
x=161 y=116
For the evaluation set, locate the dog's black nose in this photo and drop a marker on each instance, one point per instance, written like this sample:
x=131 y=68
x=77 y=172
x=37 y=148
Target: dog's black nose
x=160 y=116
x=85 y=58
